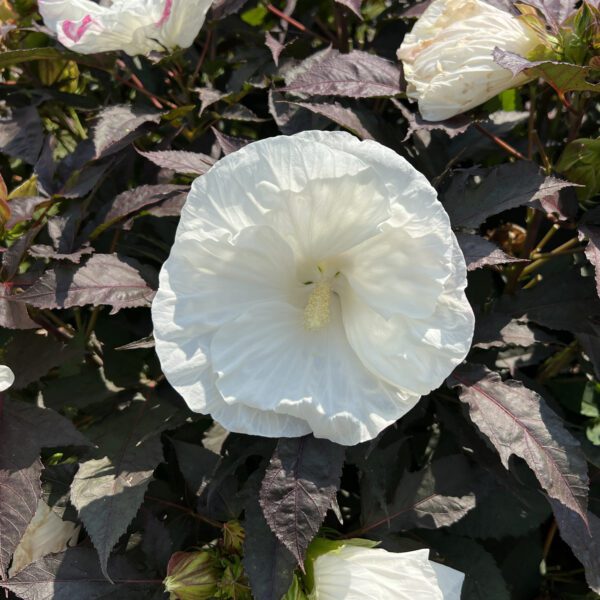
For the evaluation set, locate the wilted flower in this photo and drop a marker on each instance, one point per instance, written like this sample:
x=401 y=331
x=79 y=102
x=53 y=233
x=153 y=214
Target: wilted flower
x=356 y=572
x=314 y=285
x=7 y=377
x=134 y=26
x=191 y=576
x=46 y=534
x=447 y=56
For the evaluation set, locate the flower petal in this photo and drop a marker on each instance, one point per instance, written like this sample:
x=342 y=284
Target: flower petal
x=7 y=377
x=55 y=11
x=415 y=355
x=355 y=573
x=395 y=273
x=181 y=20
x=267 y=360
x=292 y=186
x=449 y=580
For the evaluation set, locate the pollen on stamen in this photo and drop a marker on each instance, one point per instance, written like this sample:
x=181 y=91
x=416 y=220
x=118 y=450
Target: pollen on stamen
x=316 y=313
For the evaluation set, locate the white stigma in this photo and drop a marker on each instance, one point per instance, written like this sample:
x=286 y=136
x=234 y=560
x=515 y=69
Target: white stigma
x=316 y=313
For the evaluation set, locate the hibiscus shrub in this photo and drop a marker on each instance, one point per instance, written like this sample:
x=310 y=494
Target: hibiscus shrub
x=123 y=472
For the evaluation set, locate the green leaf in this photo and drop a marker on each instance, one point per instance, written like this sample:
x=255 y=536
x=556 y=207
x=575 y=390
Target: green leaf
x=15 y=57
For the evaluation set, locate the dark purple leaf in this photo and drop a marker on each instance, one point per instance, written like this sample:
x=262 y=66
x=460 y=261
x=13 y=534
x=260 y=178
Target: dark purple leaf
x=12 y=257
x=555 y=11
x=356 y=75
x=592 y=250
x=76 y=574
x=223 y=8
x=228 y=143
x=275 y=46
x=351 y=119
x=583 y=537
x=48 y=353
x=451 y=127
x=299 y=485
x=563 y=77
x=196 y=464
x=21 y=134
x=24 y=430
x=108 y=489
x=437 y=496
x=470 y=203
x=480 y=252
x=291 y=118
x=118 y=126
x=14 y=315
x=518 y=422
x=564 y=301
x=494 y=330
x=208 y=97
x=268 y=563
x=135 y=200
x=180 y=161
x=45 y=251
x=105 y=279
x=415 y=11
x=353 y=5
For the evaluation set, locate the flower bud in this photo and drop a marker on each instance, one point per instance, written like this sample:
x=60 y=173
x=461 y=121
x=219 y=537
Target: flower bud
x=191 y=576
x=580 y=163
x=448 y=56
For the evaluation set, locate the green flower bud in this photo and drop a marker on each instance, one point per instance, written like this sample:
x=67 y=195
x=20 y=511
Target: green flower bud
x=191 y=576
x=295 y=592
x=580 y=163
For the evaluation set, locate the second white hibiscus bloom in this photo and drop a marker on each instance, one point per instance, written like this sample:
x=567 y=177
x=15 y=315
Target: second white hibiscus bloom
x=448 y=56
x=314 y=285
x=134 y=26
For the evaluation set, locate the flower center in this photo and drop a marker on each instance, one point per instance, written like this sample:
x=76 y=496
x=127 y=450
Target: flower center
x=316 y=313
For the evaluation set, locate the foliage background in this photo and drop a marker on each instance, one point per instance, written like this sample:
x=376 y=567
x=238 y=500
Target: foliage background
x=497 y=472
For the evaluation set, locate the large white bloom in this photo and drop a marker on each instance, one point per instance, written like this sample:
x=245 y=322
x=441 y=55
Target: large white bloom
x=134 y=26
x=360 y=573
x=447 y=56
x=314 y=285
x=7 y=378
x=46 y=534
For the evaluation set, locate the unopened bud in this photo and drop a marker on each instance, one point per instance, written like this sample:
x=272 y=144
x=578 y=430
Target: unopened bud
x=191 y=576
x=580 y=163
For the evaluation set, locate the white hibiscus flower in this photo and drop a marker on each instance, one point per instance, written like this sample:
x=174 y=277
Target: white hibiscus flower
x=134 y=26
x=448 y=60
x=352 y=572
x=315 y=286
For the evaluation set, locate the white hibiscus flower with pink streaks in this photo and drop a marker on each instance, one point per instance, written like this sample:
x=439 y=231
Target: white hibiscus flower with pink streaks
x=134 y=26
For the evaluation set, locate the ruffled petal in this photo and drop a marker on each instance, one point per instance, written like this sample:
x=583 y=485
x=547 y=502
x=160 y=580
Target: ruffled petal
x=450 y=581
x=55 y=11
x=415 y=355
x=395 y=273
x=293 y=187
x=267 y=360
x=355 y=573
x=181 y=20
